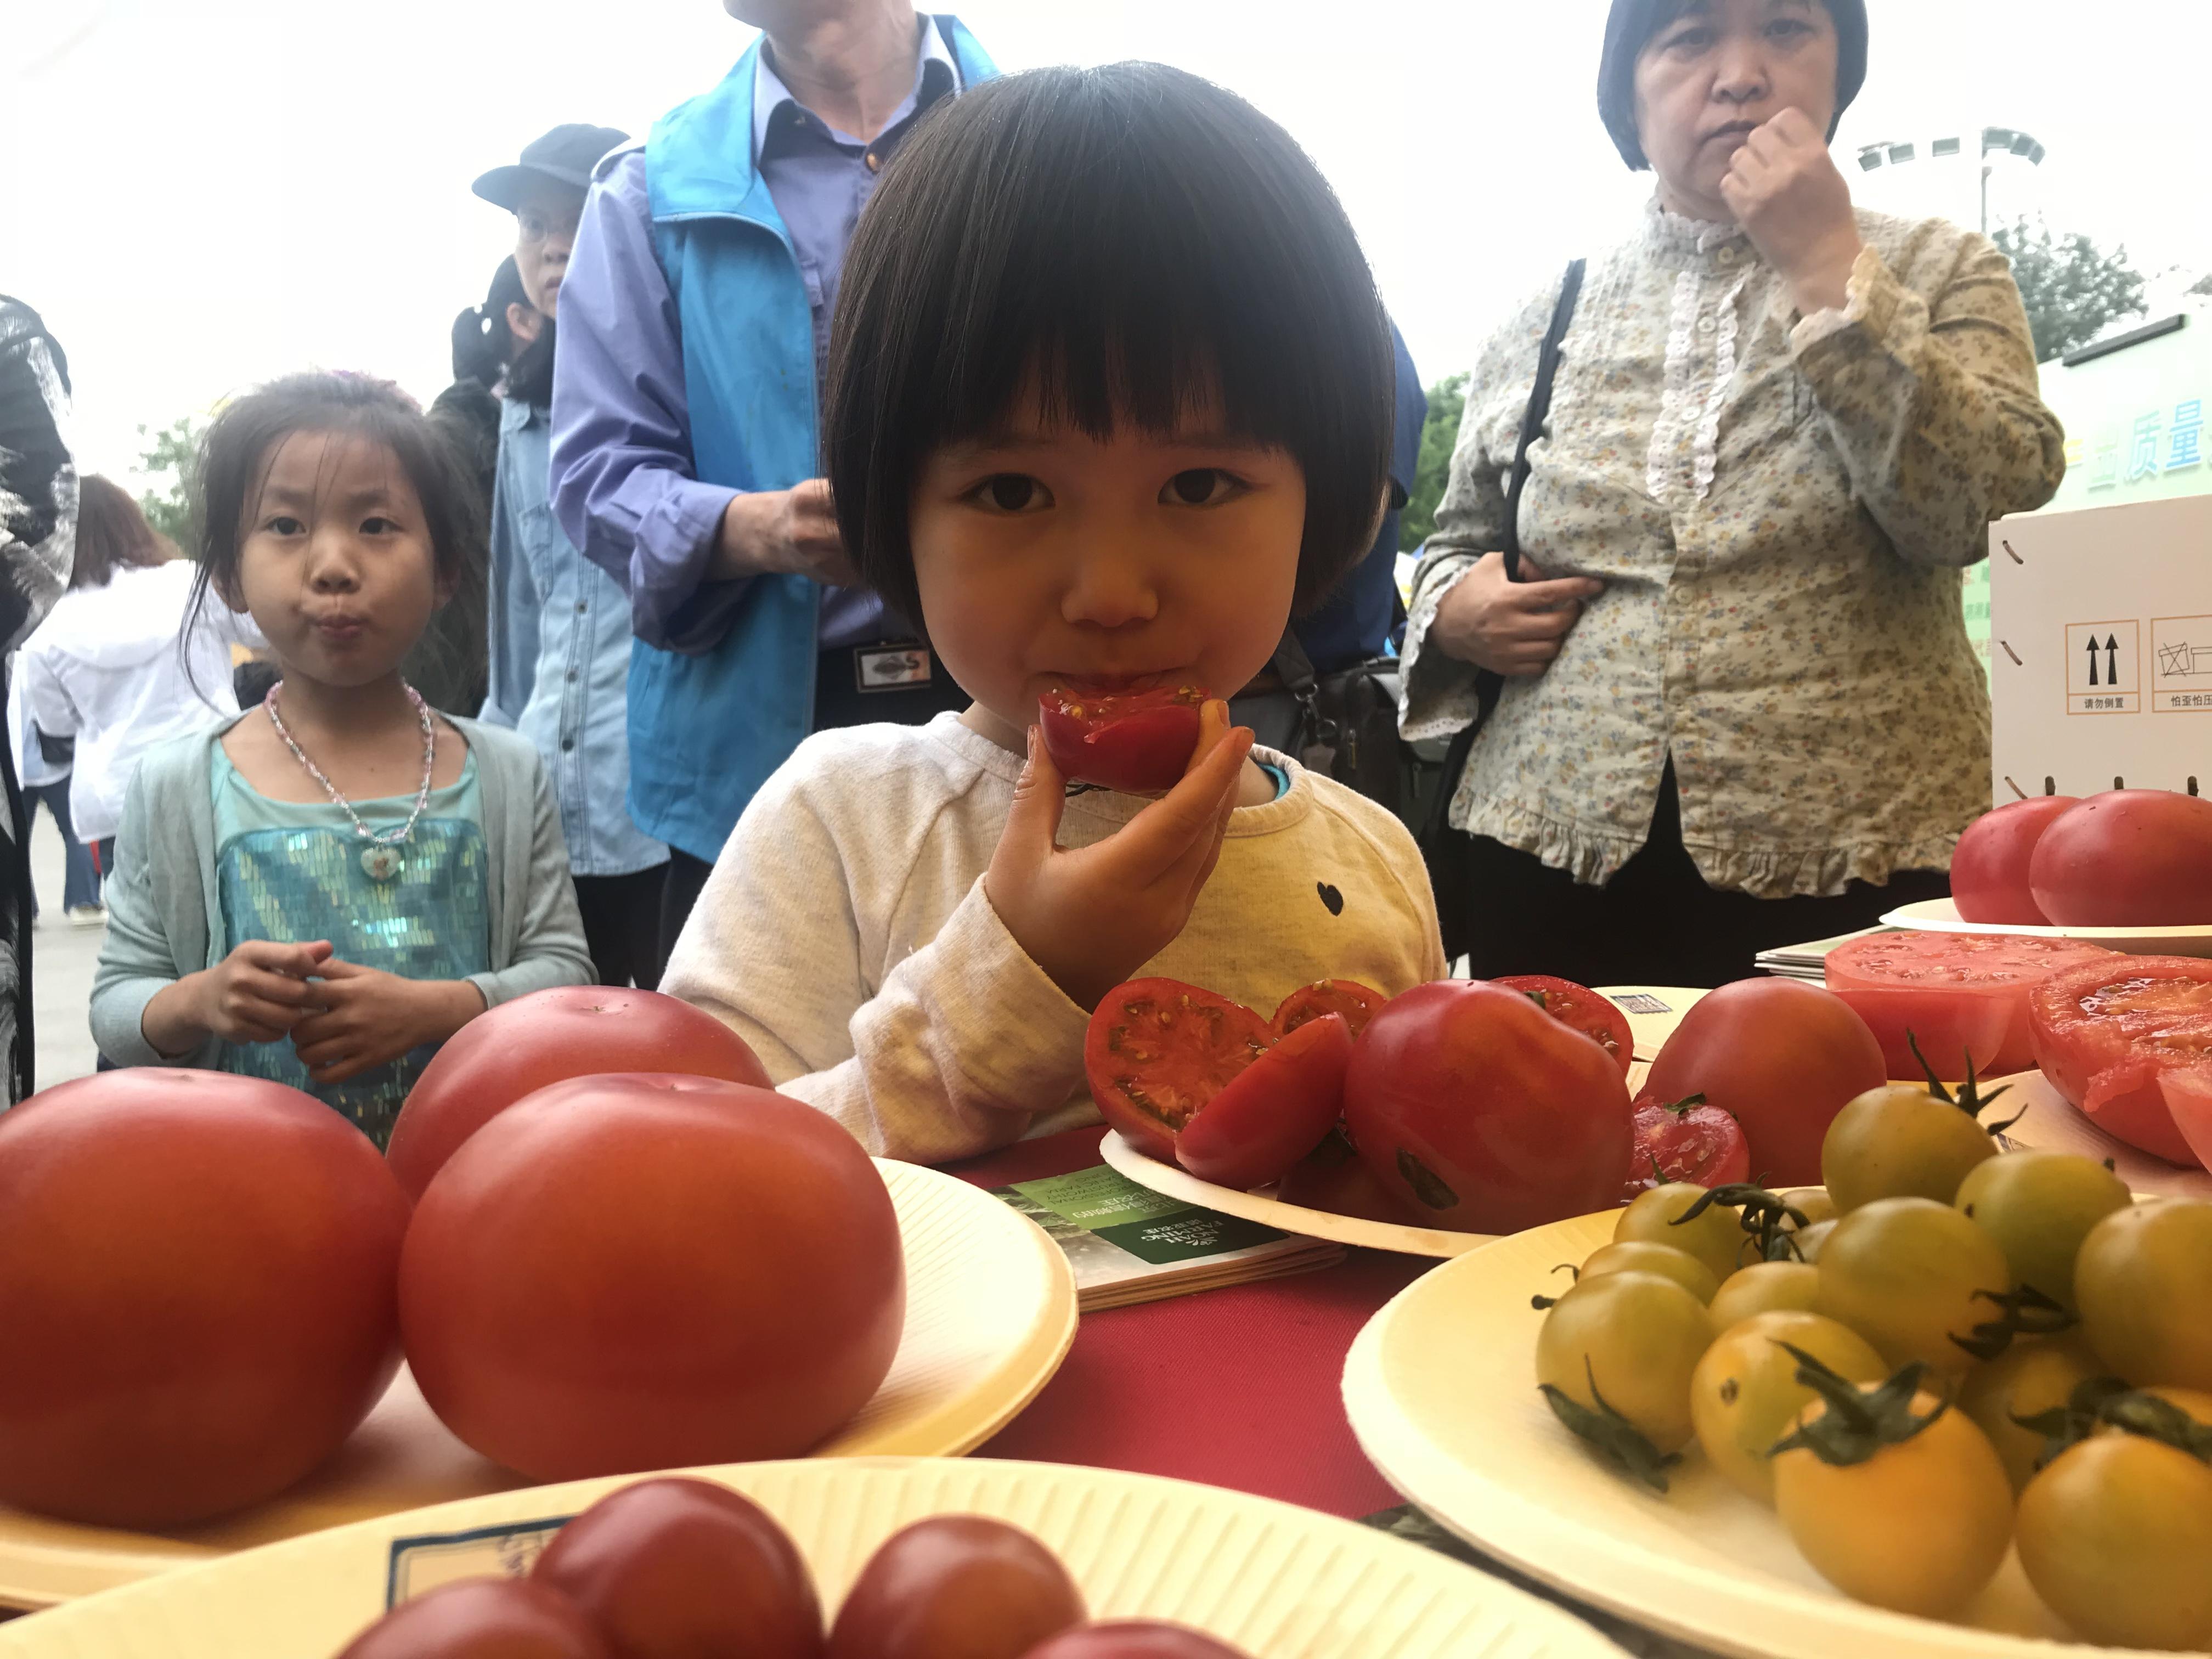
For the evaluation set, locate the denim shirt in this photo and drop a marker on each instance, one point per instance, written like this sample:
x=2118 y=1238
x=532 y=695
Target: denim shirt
x=560 y=657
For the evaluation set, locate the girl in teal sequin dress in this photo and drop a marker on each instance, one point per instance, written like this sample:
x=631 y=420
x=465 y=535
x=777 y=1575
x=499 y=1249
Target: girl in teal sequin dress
x=323 y=891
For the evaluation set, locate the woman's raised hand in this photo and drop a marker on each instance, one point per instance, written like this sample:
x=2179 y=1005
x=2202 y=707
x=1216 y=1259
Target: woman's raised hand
x=1091 y=917
x=1510 y=628
x=1786 y=192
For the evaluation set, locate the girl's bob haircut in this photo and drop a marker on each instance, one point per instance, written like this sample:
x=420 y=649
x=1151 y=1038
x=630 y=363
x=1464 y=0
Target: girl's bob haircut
x=1130 y=246
x=241 y=444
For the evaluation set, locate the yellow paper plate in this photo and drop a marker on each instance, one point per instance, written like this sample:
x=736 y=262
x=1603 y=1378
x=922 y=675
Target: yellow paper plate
x=1278 y=1582
x=1442 y=1392
x=990 y=1314
x=2052 y=1123
x=1942 y=916
x=1653 y=1011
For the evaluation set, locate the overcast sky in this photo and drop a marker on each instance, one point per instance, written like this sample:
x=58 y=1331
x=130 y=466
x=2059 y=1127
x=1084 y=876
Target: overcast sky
x=201 y=193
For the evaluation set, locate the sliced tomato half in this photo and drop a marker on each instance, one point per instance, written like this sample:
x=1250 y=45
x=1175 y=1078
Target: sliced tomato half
x=1358 y=1003
x=2127 y=1039
x=1137 y=742
x=1158 y=1050
x=1273 y=1112
x=1579 y=1009
x=1686 y=1140
x=1959 y=995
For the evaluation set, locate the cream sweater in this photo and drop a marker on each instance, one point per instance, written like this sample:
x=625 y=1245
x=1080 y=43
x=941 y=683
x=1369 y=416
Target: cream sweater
x=846 y=936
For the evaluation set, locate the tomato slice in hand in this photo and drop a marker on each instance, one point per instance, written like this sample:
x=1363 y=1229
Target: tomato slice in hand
x=1989 y=870
x=1137 y=742
x=1158 y=1050
x=1358 y=1003
x=2124 y=1039
x=1273 y=1112
x=1579 y=1009
x=1470 y=1103
x=1957 y=994
x=1686 y=1140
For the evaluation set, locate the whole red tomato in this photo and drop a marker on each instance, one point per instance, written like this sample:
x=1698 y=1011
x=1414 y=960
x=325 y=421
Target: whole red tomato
x=2126 y=1040
x=675 y=1568
x=1687 y=1141
x=195 y=1293
x=2128 y=858
x=1989 y=870
x=1135 y=1638
x=1958 y=995
x=635 y=1273
x=1358 y=1003
x=550 y=1036
x=1138 y=742
x=1581 y=1009
x=1156 y=1050
x=956 y=1586
x=1273 y=1112
x=1780 y=1057
x=484 y=1619
x=1472 y=1104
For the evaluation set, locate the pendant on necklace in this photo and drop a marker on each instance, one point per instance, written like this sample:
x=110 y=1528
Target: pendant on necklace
x=380 y=863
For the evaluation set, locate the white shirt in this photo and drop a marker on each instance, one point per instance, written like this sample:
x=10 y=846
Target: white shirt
x=846 y=936
x=105 y=666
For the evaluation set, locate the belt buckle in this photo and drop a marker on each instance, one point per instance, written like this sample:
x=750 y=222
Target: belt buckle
x=891 y=668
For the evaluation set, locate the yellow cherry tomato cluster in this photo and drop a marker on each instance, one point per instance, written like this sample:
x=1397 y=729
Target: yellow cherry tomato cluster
x=1946 y=1352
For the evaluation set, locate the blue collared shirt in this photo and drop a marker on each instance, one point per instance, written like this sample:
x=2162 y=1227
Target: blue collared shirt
x=560 y=657
x=650 y=523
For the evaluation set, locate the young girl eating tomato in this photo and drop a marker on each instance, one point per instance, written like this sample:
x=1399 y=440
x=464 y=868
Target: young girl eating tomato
x=1110 y=393
x=327 y=888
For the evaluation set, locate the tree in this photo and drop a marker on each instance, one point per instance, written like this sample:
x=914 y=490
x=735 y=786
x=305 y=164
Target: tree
x=168 y=457
x=2074 y=289
x=1439 y=433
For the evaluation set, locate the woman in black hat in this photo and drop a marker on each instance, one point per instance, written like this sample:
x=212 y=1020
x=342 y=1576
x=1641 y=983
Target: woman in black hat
x=1739 y=706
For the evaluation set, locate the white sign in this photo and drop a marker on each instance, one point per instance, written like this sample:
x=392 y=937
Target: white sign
x=2100 y=657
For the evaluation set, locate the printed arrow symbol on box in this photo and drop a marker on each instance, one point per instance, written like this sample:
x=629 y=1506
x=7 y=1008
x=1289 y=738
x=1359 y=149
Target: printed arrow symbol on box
x=2112 y=659
x=2093 y=659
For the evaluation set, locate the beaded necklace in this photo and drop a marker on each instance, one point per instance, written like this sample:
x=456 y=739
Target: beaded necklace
x=380 y=860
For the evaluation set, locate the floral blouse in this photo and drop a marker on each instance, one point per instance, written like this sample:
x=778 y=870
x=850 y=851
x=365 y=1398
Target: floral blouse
x=1779 y=506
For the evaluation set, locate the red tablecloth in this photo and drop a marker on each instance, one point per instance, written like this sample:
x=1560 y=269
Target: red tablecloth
x=1235 y=1388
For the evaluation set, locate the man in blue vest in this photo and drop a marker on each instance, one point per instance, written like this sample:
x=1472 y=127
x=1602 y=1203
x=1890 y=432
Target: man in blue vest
x=695 y=330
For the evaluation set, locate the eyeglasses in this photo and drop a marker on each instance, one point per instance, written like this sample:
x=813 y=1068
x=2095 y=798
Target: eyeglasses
x=539 y=227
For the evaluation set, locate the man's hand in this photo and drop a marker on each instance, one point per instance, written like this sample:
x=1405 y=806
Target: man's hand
x=782 y=532
x=1092 y=917
x=255 y=994
x=1785 y=192
x=1510 y=628
x=367 y=1017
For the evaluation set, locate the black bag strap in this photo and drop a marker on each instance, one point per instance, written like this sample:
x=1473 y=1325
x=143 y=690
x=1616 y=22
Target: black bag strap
x=1488 y=685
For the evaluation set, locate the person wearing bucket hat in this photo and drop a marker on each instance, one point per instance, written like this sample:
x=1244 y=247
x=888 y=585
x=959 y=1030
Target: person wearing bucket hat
x=1738 y=707
x=560 y=627
x=696 y=323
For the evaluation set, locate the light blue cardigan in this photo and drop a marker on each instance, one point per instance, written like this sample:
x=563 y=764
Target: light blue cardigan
x=165 y=905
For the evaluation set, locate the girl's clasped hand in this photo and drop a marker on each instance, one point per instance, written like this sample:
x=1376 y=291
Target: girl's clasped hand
x=341 y=1018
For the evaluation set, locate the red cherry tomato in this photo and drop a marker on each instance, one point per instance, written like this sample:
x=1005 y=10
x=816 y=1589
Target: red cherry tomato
x=484 y=1619
x=1137 y=742
x=546 y=1038
x=1273 y=1112
x=1581 y=1009
x=956 y=1586
x=195 y=1293
x=1334 y=1177
x=2110 y=1034
x=1782 y=1058
x=1957 y=995
x=2128 y=858
x=632 y=1272
x=1157 y=1049
x=1989 y=870
x=1470 y=1102
x=1135 y=1639
x=673 y=1568
x=1687 y=1141
x=1358 y=1003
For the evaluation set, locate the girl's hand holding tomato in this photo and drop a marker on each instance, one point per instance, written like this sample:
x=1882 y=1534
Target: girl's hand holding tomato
x=1092 y=916
x=366 y=1017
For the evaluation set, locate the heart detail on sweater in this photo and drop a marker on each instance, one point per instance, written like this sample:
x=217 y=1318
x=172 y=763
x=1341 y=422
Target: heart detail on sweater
x=1331 y=898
